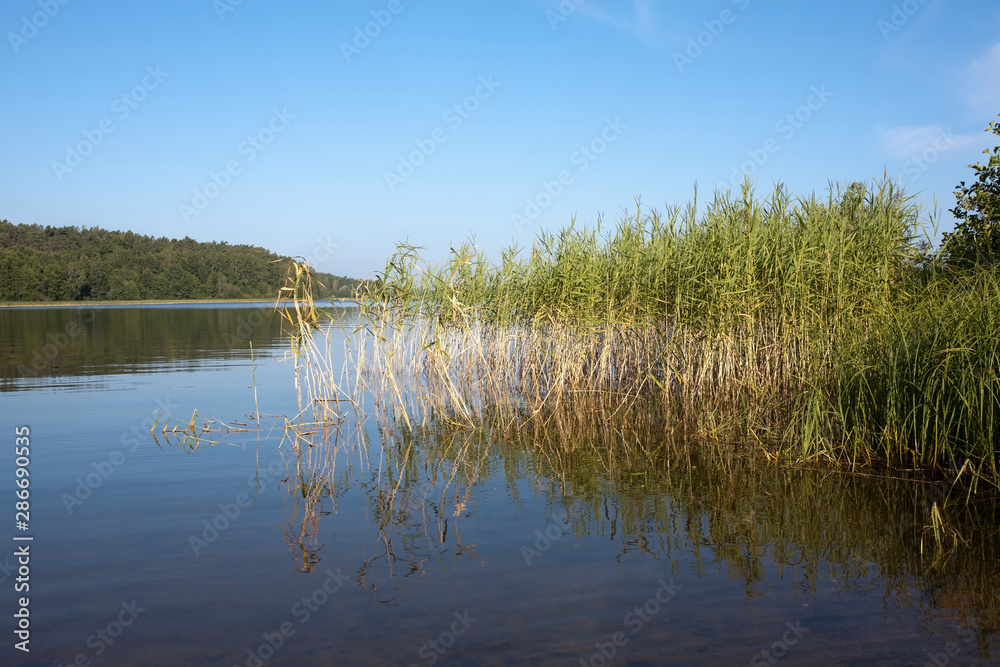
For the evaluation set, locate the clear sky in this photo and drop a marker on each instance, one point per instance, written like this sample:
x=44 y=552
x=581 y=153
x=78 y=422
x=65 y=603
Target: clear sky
x=332 y=130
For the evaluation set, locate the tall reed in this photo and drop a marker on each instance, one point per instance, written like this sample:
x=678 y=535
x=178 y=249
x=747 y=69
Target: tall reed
x=819 y=328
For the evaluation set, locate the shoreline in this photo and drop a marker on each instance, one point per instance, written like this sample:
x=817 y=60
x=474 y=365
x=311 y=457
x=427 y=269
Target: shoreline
x=151 y=302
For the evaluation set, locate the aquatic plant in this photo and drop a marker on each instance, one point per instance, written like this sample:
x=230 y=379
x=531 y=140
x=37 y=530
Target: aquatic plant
x=816 y=329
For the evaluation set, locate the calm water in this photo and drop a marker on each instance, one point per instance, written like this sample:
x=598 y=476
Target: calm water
x=371 y=546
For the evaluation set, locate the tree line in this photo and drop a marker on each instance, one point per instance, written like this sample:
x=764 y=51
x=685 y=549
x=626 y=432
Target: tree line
x=92 y=264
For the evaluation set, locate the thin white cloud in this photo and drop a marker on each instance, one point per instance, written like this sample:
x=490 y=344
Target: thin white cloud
x=910 y=140
x=979 y=83
x=636 y=17
x=983 y=82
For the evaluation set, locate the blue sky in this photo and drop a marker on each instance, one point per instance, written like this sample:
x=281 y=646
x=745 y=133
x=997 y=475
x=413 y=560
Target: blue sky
x=332 y=130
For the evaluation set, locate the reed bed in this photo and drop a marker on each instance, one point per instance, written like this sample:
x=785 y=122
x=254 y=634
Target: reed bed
x=812 y=328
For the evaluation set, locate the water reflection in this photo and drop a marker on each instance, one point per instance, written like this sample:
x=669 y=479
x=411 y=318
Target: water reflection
x=727 y=510
x=550 y=531
x=40 y=343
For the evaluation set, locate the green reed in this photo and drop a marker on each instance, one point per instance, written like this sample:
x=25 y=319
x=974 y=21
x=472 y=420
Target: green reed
x=817 y=328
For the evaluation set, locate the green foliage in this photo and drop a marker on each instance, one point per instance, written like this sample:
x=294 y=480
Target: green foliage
x=69 y=264
x=742 y=256
x=976 y=238
x=818 y=328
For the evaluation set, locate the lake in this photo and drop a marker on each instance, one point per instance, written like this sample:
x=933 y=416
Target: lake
x=226 y=538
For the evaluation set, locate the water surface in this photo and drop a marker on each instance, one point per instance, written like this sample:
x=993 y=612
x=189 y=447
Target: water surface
x=372 y=544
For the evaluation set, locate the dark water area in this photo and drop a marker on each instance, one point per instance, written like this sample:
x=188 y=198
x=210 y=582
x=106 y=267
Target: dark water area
x=71 y=342
x=373 y=544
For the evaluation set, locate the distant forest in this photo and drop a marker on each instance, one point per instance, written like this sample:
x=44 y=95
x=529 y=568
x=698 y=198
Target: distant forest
x=70 y=264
